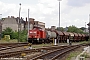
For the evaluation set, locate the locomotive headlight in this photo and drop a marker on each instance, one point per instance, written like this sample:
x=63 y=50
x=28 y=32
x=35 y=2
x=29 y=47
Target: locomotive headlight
x=34 y=32
x=30 y=32
x=35 y=36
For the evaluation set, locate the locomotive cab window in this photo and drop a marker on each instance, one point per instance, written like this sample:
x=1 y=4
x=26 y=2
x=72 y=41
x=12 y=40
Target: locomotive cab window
x=33 y=32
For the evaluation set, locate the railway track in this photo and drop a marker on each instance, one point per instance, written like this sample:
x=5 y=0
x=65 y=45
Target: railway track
x=52 y=52
x=6 y=46
x=11 y=43
x=56 y=54
x=10 y=47
x=18 y=52
x=3 y=45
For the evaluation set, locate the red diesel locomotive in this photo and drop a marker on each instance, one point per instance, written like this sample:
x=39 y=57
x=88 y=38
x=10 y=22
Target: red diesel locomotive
x=36 y=35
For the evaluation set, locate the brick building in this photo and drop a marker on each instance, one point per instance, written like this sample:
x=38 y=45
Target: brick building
x=33 y=23
x=12 y=22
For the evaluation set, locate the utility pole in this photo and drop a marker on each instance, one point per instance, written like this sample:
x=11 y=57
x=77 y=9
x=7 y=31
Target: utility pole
x=19 y=16
x=19 y=24
x=89 y=31
x=28 y=26
x=85 y=27
x=59 y=18
x=89 y=26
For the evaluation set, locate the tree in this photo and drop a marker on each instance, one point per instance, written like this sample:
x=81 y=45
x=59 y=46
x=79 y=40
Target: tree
x=83 y=28
x=15 y=35
x=23 y=36
x=74 y=29
x=60 y=28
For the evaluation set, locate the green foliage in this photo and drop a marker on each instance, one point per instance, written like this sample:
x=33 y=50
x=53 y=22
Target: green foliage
x=73 y=54
x=23 y=35
x=14 y=34
x=60 y=28
x=74 y=29
x=7 y=31
x=85 y=55
x=10 y=41
x=83 y=28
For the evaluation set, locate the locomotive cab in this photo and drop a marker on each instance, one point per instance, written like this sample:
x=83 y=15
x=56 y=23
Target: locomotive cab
x=36 y=35
x=33 y=35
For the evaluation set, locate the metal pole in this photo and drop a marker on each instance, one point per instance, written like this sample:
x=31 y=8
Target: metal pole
x=89 y=26
x=59 y=14
x=28 y=25
x=85 y=27
x=59 y=18
x=19 y=16
x=89 y=17
x=0 y=16
x=18 y=29
x=19 y=23
x=1 y=27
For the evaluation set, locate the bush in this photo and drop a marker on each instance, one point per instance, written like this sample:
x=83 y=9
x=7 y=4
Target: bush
x=14 y=34
x=23 y=36
x=7 y=31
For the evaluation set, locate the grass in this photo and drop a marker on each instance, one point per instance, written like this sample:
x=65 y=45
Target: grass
x=82 y=42
x=73 y=54
x=85 y=55
x=9 y=41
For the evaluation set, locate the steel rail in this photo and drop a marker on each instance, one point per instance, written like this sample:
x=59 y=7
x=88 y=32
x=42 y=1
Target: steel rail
x=62 y=53
x=40 y=56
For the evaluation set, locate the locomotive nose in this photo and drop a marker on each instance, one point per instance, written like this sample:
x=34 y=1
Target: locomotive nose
x=31 y=36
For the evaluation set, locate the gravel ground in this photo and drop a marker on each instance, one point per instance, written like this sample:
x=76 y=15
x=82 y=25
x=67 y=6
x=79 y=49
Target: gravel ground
x=13 y=49
x=61 y=44
x=30 y=55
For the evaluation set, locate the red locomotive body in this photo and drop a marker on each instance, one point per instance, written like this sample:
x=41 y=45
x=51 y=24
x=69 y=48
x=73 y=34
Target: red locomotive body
x=36 y=35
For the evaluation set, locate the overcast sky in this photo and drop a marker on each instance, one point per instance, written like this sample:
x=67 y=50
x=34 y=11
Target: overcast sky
x=73 y=12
